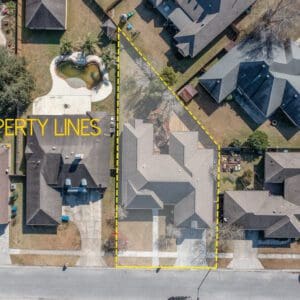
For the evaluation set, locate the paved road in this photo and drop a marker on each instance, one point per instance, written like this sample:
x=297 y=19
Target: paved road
x=79 y=283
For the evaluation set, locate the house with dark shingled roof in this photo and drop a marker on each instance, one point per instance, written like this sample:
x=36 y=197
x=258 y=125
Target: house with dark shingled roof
x=260 y=81
x=57 y=166
x=46 y=14
x=198 y=22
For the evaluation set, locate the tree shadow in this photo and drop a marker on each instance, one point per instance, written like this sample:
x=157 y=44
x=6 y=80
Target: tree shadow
x=96 y=9
x=205 y=101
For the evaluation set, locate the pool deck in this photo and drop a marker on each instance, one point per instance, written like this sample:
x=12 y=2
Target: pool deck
x=66 y=100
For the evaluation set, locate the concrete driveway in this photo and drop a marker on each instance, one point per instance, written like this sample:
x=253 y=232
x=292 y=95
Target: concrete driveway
x=4 y=245
x=86 y=214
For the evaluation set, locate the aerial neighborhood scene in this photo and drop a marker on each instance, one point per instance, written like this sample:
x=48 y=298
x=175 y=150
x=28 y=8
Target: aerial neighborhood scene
x=145 y=139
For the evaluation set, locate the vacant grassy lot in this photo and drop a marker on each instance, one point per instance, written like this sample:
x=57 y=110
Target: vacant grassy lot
x=156 y=43
x=66 y=237
x=40 y=47
x=44 y=260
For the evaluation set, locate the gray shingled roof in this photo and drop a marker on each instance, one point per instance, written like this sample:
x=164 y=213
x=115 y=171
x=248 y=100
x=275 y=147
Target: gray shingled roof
x=277 y=216
x=199 y=22
x=259 y=83
x=181 y=178
x=46 y=14
x=50 y=160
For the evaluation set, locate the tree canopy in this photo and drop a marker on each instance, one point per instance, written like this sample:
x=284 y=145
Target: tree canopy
x=258 y=140
x=16 y=85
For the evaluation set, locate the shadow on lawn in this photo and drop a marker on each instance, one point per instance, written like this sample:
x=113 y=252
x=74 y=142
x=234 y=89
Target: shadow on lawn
x=41 y=36
x=284 y=126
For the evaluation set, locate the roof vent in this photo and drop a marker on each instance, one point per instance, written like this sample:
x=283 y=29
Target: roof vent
x=83 y=182
x=79 y=156
x=68 y=182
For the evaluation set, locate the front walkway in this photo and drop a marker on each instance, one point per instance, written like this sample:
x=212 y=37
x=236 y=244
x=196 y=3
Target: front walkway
x=4 y=245
x=244 y=256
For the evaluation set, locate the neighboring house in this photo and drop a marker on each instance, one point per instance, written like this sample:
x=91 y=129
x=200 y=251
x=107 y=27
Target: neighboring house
x=183 y=178
x=46 y=14
x=58 y=166
x=260 y=82
x=199 y=22
x=275 y=212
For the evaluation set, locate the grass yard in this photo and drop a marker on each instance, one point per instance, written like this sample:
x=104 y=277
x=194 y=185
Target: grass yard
x=40 y=47
x=227 y=121
x=293 y=249
x=230 y=181
x=66 y=237
x=279 y=264
x=43 y=260
x=105 y=4
x=156 y=43
x=136 y=230
x=135 y=261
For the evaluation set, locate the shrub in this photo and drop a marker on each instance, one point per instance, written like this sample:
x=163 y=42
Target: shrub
x=66 y=47
x=169 y=76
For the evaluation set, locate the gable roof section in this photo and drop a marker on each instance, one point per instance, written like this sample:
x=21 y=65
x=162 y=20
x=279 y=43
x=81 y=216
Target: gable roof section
x=46 y=14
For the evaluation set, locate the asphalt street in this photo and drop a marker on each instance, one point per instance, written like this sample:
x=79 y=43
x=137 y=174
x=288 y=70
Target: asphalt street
x=83 y=283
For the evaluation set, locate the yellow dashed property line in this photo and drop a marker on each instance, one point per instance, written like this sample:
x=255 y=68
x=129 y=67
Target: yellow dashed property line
x=117 y=149
x=117 y=161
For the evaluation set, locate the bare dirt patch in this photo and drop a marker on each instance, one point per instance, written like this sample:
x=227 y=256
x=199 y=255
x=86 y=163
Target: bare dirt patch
x=223 y=262
x=293 y=249
x=43 y=260
x=280 y=263
x=135 y=261
x=166 y=261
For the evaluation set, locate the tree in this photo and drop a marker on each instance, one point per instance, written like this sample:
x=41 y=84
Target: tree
x=89 y=46
x=258 y=140
x=274 y=25
x=109 y=58
x=173 y=232
x=247 y=177
x=66 y=47
x=16 y=85
x=236 y=143
x=169 y=76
